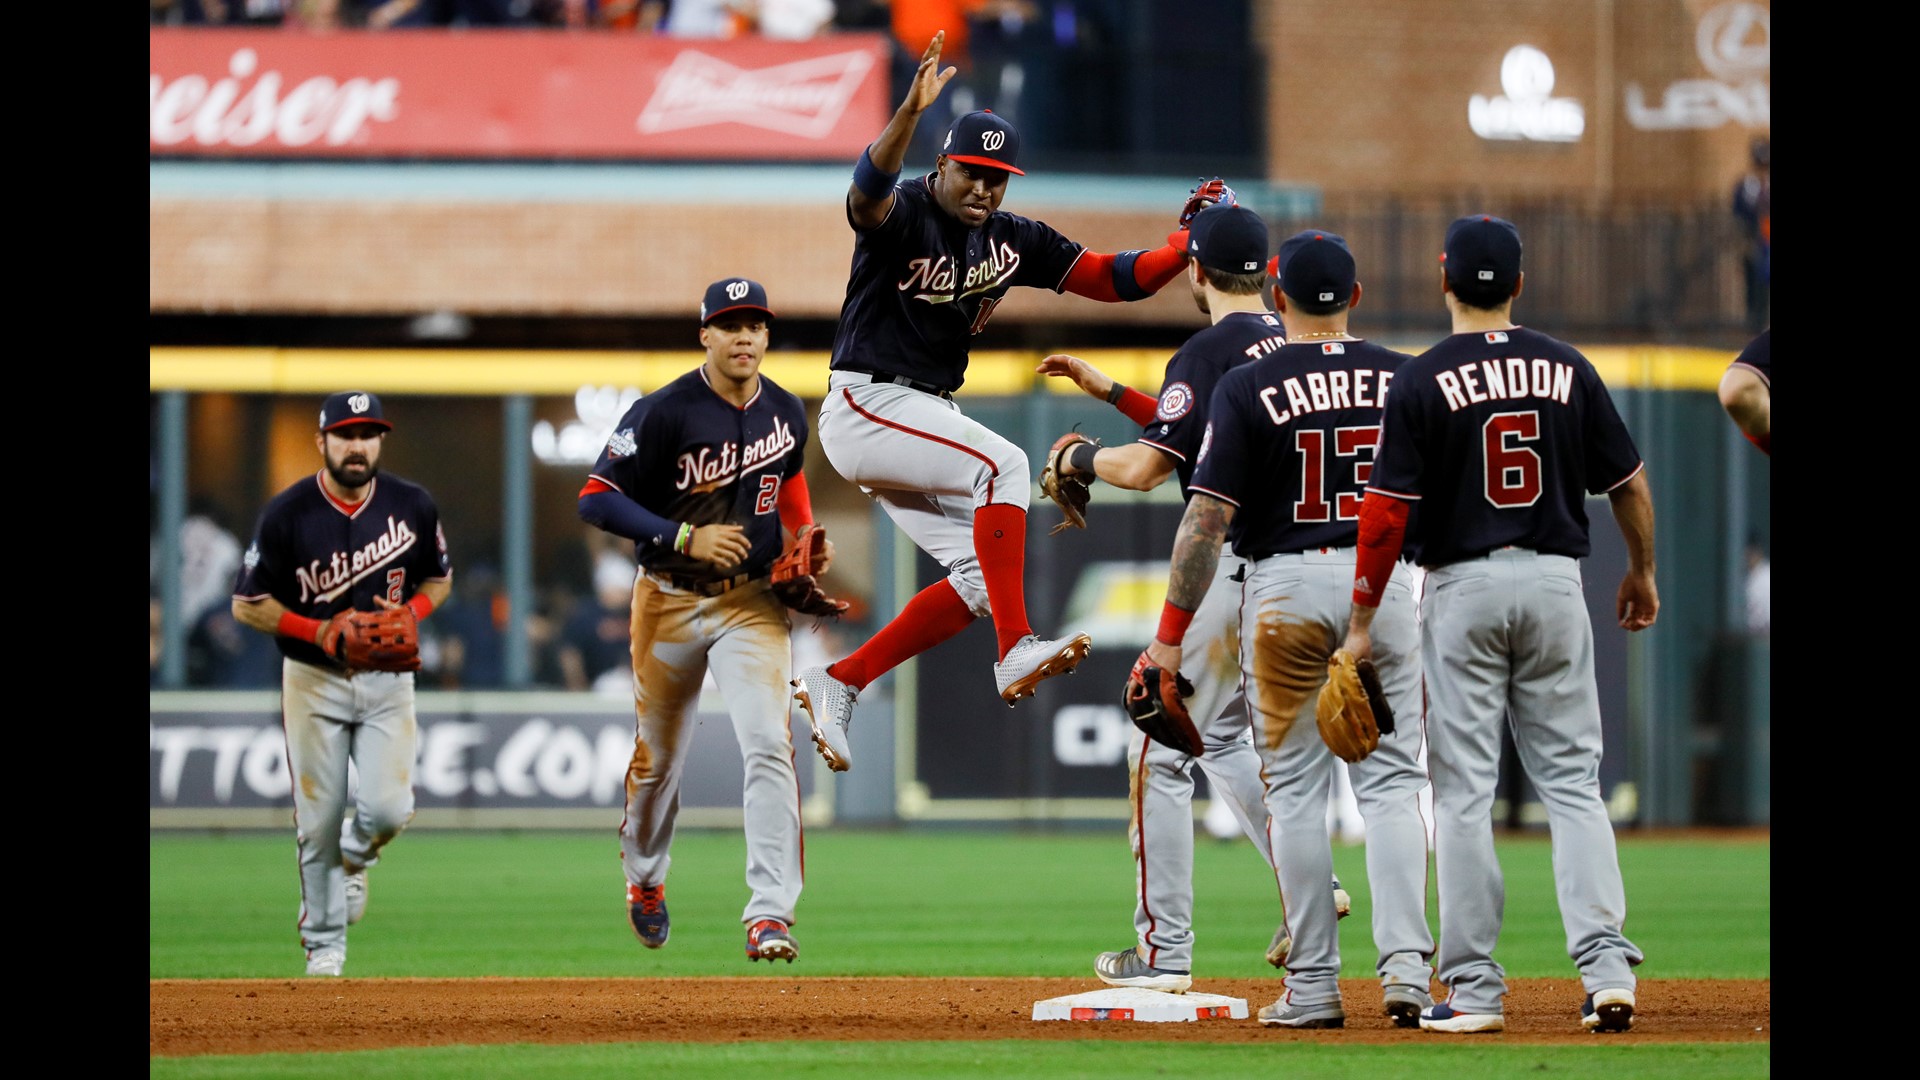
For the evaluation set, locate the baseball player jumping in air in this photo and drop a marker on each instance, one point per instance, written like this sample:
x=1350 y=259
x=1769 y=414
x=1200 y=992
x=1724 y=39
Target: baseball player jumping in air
x=1746 y=391
x=1497 y=434
x=342 y=567
x=933 y=257
x=1227 y=276
x=704 y=476
x=1286 y=454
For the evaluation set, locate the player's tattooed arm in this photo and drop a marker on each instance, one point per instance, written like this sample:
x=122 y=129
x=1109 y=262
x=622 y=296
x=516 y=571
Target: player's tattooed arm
x=889 y=152
x=1196 y=549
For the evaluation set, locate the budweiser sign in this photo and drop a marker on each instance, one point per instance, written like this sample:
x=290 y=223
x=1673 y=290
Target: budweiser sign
x=250 y=106
x=479 y=93
x=805 y=97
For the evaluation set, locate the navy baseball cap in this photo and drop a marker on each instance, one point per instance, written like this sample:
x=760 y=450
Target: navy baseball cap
x=1231 y=239
x=1316 y=267
x=352 y=407
x=981 y=138
x=1482 y=254
x=733 y=294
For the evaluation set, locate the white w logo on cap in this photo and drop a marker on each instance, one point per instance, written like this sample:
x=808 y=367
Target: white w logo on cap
x=736 y=290
x=992 y=140
x=358 y=403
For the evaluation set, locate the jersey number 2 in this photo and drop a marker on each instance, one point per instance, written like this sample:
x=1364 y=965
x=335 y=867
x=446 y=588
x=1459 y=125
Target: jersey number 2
x=1347 y=442
x=769 y=494
x=1513 y=470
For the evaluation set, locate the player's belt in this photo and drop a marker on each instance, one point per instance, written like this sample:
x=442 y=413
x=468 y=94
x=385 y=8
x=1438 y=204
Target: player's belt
x=703 y=586
x=902 y=380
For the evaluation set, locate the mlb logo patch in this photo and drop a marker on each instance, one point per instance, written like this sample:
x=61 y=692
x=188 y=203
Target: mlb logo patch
x=1496 y=337
x=1333 y=348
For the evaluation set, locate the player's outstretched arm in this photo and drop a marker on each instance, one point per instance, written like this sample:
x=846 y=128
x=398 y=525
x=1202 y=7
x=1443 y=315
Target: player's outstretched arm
x=1133 y=404
x=1196 y=556
x=1639 y=600
x=871 y=193
x=1136 y=467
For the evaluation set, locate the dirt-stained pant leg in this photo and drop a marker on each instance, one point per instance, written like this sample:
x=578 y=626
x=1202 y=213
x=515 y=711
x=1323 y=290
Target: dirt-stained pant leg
x=383 y=749
x=927 y=463
x=1161 y=829
x=752 y=660
x=317 y=712
x=669 y=661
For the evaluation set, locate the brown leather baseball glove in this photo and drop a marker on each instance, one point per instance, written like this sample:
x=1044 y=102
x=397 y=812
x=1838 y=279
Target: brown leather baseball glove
x=385 y=640
x=1070 y=493
x=1153 y=699
x=796 y=574
x=1352 y=711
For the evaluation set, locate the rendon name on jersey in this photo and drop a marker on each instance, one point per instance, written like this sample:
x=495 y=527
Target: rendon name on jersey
x=687 y=454
x=1500 y=435
x=924 y=283
x=1291 y=444
x=319 y=557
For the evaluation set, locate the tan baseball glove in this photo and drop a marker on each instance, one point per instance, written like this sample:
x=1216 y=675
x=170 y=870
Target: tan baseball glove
x=384 y=640
x=1155 y=700
x=1352 y=711
x=796 y=576
x=1070 y=493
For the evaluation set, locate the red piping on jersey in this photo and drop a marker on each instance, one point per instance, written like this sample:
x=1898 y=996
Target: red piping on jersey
x=1764 y=442
x=1383 y=528
x=1215 y=494
x=992 y=470
x=1636 y=472
x=1163 y=448
x=757 y=387
x=350 y=509
x=1756 y=371
x=1140 y=816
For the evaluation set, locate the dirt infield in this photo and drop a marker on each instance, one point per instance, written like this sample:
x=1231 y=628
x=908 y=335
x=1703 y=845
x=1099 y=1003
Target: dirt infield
x=248 y=1016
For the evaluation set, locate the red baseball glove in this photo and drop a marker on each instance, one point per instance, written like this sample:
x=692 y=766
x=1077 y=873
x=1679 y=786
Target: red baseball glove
x=385 y=640
x=796 y=574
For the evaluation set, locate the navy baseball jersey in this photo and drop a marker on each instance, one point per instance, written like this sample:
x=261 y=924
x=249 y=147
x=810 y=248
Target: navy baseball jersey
x=319 y=557
x=923 y=284
x=1290 y=442
x=1499 y=435
x=1180 y=423
x=687 y=454
x=1758 y=357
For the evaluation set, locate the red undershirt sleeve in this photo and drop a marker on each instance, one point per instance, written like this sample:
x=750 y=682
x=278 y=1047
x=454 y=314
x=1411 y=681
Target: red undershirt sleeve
x=1130 y=275
x=795 y=504
x=1138 y=407
x=1383 y=528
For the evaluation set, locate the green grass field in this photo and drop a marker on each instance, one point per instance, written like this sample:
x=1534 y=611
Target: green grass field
x=1002 y=903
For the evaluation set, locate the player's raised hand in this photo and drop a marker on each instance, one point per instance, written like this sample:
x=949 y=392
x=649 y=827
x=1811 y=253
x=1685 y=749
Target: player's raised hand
x=721 y=545
x=1638 y=603
x=929 y=80
x=1084 y=375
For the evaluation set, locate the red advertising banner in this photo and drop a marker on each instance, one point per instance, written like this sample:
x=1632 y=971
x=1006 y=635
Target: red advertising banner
x=513 y=94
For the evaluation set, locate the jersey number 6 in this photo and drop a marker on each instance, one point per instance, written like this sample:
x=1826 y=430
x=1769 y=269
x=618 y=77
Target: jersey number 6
x=1512 y=470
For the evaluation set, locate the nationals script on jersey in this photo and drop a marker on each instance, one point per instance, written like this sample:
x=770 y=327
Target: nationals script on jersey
x=687 y=454
x=1291 y=440
x=1500 y=434
x=924 y=283
x=319 y=557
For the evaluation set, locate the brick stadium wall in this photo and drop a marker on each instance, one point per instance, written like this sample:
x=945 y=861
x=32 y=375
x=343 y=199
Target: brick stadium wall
x=595 y=258
x=1371 y=96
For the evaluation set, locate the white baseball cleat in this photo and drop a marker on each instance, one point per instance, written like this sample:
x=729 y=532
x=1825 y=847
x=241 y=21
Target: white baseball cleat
x=327 y=962
x=829 y=706
x=1033 y=659
x=1128 y=968
x=356 y=895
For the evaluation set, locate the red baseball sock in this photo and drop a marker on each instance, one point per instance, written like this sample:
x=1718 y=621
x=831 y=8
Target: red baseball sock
x=1000 y=543
x=930 y=618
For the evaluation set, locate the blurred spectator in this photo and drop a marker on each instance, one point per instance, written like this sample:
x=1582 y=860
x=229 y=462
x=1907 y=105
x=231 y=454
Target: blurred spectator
x=1759 y=592
x=154 y=638
x=209 y=561
x=1003 y=33
x=224 y=655
x=474 y=628
x=594 y=647
x=789 y=20
x=219 y=12
x=402 y=14
x=863 y=15
x=705 y=18
x=1753 y=205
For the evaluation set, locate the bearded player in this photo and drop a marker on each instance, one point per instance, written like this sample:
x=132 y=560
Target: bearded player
x=933 y=256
